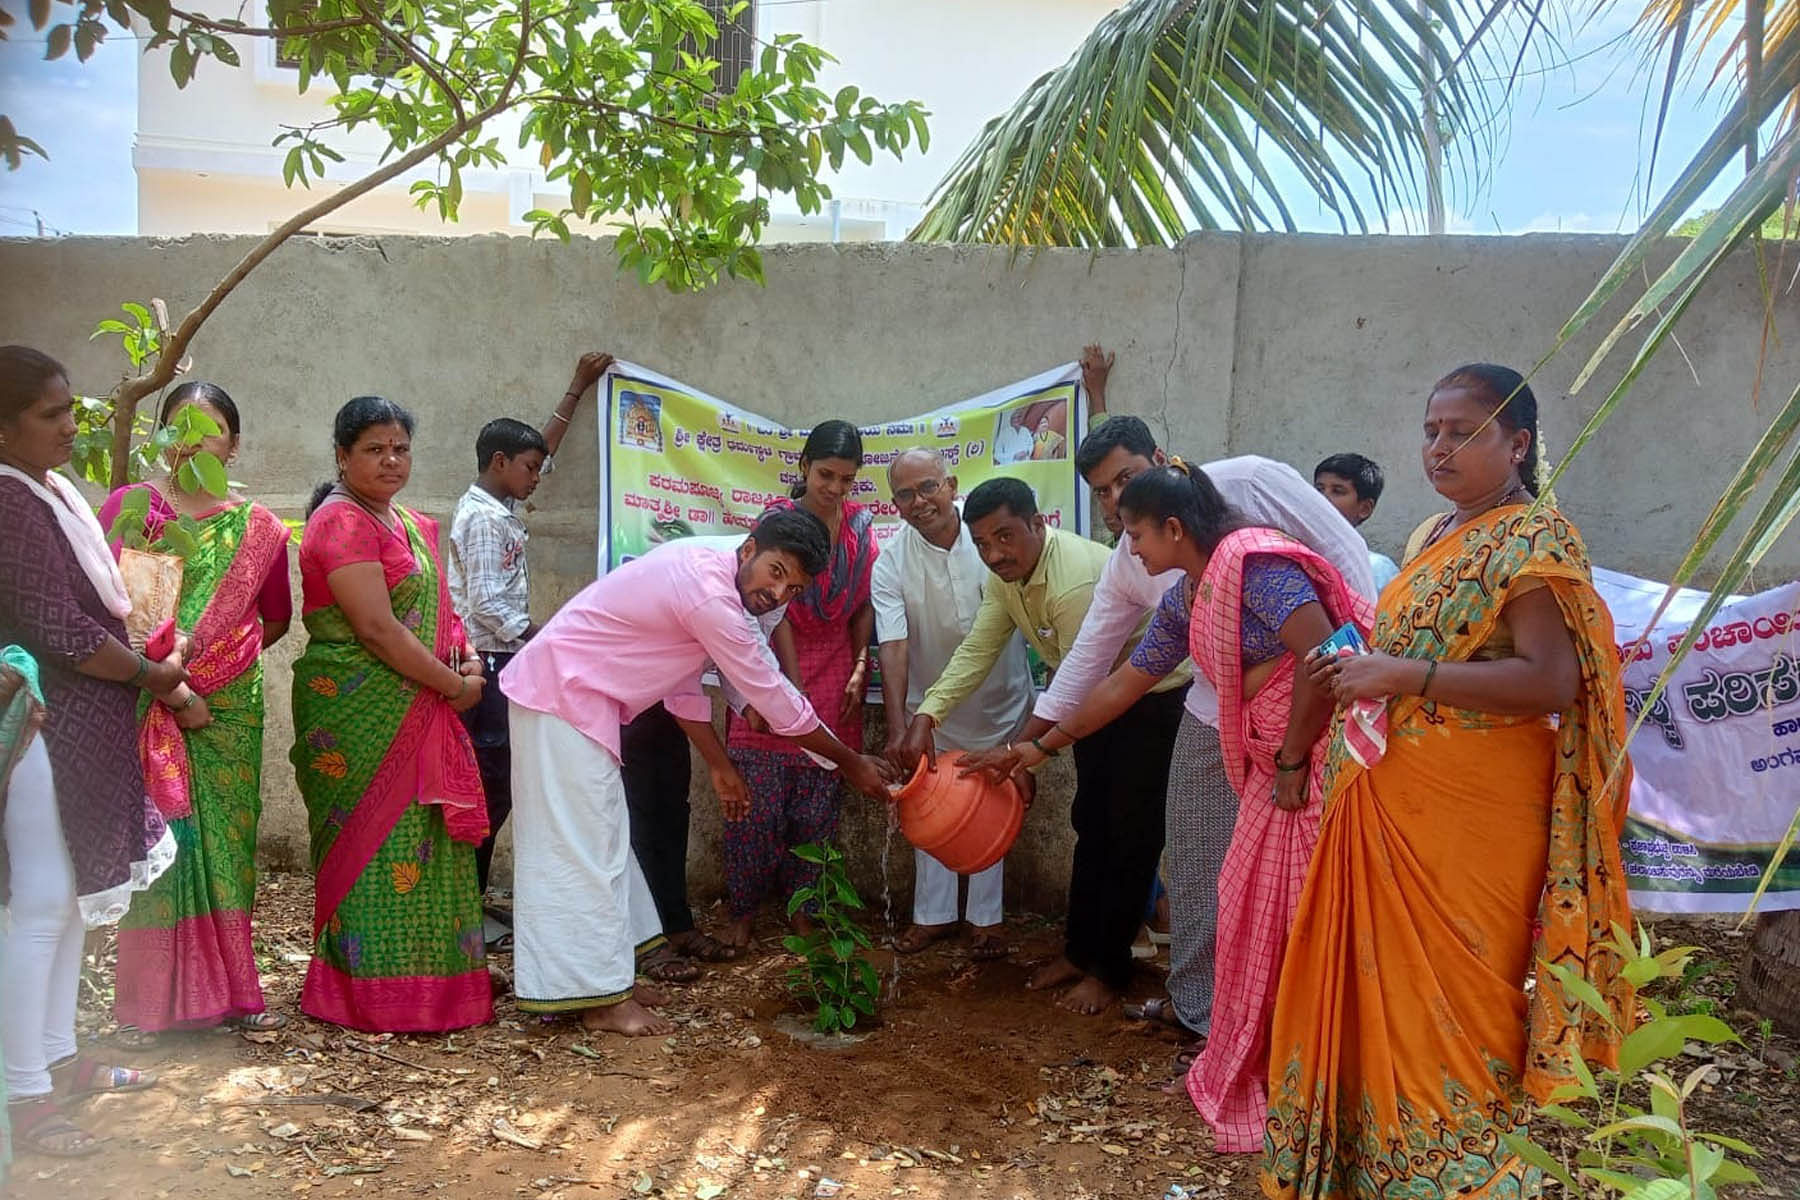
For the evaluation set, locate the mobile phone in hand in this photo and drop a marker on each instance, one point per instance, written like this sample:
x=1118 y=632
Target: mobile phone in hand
x=161 y=642
x=1348 y=637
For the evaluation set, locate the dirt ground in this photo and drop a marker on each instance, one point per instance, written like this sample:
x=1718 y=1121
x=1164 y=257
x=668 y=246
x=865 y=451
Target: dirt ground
x=969 y=1087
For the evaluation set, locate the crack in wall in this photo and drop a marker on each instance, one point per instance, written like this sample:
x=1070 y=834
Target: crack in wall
x=1168 y=431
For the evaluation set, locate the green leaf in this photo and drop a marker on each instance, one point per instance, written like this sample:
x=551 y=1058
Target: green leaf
x=1648 y=1122
x=58 y=43
x=1540 y=1158
x=212 y=473
x=1701 y=1028
x=40 y=13
x=195 y=424
x=1660 y=1189
x=181 y=63
x=1706 y=1160
x=1564 y=1115
x=178 y=540
x=1730 y=1143
x=1733 y=1172
x=809 y=852
x=1583 y=991
x=1650 y=1042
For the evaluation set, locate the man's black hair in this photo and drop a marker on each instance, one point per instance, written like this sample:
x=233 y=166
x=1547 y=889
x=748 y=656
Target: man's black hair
x=1126 y=431
x=1364 y=474
x=990 y=497
x=799 y=533
x=503 y=435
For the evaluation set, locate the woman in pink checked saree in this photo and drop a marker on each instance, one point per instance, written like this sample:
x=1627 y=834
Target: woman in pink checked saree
x=184 y=947
x=1255 y=602
x=1273 y=735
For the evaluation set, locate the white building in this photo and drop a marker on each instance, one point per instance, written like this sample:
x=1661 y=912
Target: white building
x=205 y=160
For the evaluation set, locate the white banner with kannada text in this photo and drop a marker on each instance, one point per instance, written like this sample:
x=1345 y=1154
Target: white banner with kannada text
x=1718 y=759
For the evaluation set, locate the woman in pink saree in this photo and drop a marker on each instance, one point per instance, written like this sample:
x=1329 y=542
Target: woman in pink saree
x=393 y=798
x=1254 y=604
x=185 y=959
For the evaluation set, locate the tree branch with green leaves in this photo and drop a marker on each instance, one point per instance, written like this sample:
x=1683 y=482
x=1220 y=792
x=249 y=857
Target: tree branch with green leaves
x=620 y=101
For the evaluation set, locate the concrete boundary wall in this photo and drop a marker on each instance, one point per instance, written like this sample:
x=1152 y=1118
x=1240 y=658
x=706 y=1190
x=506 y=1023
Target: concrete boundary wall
x=1294 y=347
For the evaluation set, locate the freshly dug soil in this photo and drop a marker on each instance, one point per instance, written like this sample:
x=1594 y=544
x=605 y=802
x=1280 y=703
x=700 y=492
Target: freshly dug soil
x=969 y=1086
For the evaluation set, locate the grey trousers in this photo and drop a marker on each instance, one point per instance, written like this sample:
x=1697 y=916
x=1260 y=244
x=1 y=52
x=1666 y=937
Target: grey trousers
x=1202 y=810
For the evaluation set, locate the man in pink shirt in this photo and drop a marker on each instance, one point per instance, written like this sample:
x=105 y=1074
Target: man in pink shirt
x=582 y=912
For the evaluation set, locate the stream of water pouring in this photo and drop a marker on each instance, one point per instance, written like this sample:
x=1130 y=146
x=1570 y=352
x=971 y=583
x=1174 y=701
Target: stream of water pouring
x=887 y=899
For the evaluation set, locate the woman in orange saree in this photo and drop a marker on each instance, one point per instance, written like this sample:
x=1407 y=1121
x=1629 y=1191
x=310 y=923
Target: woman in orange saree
x=1484 y=839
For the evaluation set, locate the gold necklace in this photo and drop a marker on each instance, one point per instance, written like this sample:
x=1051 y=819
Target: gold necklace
x=1513 y=494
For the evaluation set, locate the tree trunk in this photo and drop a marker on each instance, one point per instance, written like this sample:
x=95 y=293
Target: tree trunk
x=1770 y=984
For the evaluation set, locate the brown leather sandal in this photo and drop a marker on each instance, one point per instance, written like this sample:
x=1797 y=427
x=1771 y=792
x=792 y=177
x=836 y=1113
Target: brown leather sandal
x=39 y=1126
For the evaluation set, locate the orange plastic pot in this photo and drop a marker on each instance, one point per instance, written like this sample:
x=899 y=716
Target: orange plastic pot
x=966 y=823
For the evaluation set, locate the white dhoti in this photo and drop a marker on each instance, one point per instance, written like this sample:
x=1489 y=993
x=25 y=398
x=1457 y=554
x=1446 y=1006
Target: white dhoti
x=582 y=911
x=934 y=893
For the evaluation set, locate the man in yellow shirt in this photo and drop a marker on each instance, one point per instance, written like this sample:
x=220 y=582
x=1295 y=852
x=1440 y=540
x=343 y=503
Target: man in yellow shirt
x=1046 y=579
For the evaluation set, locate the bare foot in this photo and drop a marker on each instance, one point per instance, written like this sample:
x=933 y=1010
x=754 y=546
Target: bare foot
x=1054 y=974
x=627 y=1017
x=649 y=995
x=736 y=933
x=1090 y=997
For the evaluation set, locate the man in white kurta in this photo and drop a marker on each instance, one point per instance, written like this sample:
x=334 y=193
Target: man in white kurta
x=926 y=589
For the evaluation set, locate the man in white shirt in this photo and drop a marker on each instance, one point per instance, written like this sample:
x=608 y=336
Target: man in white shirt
x=926 y=589
x=1201 y=808
x=1012 y=441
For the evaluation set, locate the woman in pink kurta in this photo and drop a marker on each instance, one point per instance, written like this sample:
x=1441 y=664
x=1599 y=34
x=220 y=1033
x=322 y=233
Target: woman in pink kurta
x=823 y=644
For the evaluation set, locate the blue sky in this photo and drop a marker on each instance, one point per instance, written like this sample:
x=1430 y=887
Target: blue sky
x=1568 y=160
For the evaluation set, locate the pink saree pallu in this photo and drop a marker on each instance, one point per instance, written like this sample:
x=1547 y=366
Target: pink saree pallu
x=1265 y=867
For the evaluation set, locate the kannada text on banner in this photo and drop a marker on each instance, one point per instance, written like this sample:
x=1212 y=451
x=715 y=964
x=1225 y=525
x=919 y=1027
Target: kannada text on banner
x=676 y=462
x=1717 y=760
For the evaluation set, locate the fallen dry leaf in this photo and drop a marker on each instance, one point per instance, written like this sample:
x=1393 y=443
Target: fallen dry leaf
x=505 y=1132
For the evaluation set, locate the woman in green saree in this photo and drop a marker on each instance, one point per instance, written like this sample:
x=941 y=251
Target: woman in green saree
x=393 y=798
x=185 y=960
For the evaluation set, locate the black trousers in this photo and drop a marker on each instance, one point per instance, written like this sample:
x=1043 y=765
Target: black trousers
x=656 y=769
x=487 y=727
x=1121 y=789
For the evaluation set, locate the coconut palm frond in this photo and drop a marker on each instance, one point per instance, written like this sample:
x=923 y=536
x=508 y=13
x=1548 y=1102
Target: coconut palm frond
x=1178 y=115
x=1766 y=85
